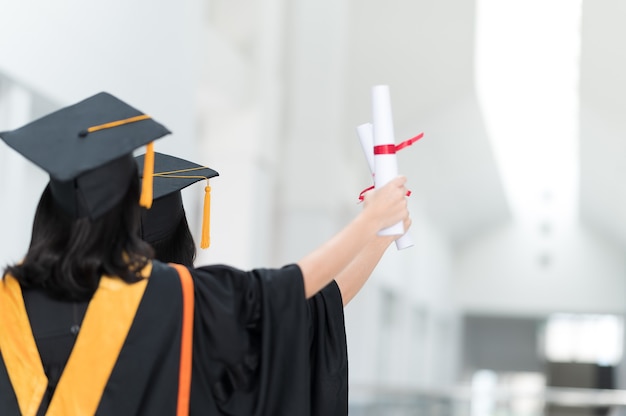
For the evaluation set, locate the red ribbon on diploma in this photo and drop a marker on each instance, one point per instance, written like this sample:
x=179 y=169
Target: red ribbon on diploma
x=385 y=149
x=369 y=188
x=390 y=149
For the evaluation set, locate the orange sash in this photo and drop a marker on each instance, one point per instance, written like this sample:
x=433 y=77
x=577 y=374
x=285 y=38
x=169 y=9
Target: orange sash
x=186 y=342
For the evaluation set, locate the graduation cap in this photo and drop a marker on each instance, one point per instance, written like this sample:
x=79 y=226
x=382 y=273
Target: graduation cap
x=86 y=148
x=171 y=175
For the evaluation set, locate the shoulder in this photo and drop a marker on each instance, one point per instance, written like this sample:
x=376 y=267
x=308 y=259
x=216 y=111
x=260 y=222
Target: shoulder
x=162 y=272
x=226 y=274
x=163 y=280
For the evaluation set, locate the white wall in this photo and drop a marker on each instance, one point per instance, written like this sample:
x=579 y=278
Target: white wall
x=143 y=51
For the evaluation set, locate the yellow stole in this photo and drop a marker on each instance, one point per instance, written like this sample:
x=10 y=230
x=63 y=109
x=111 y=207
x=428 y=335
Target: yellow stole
x=104 y=329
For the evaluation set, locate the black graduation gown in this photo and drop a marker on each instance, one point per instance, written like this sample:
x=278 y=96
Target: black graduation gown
x=259 y=348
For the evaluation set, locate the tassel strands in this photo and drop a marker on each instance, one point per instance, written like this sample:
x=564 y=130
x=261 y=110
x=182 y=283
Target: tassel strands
x=148 y=177
x=205 y=242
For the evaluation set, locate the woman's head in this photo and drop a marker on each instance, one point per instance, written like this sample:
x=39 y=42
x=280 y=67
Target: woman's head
x=68 y=255
x=165 y=225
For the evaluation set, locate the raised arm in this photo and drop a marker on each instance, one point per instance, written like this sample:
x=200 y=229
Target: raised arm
x=382 y=207
x=351 y=279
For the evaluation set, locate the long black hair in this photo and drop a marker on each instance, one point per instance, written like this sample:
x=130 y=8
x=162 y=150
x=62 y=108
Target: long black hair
x=67 y=256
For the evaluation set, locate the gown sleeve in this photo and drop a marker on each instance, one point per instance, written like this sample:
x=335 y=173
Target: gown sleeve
x=260 y=348
x=329 y=355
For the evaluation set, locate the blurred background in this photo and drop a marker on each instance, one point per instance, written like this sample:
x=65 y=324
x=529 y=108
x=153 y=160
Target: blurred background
x=512 y=300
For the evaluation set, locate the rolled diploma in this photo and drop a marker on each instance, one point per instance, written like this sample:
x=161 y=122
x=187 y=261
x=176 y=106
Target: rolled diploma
x=385 y=165
x=366 y=138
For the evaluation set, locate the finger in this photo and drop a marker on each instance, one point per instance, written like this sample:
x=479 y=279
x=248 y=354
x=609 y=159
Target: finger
x=400 y=180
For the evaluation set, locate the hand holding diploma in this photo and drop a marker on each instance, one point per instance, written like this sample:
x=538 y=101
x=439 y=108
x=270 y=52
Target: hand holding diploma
x=378 y=143
x=387 y=205
x=366 y=138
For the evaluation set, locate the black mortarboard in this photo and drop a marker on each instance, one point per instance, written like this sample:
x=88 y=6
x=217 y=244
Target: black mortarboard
x=86 y=148
x=171 y=175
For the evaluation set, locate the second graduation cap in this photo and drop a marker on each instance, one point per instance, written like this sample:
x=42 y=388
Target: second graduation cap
x=86 y=148
x=171 y=175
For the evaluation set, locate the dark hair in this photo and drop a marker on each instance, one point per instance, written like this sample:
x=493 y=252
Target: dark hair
x=67 y=256
x=177 y=247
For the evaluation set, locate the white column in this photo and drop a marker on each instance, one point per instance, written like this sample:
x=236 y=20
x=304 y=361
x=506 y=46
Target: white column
x=241 y=112
x=317 y=191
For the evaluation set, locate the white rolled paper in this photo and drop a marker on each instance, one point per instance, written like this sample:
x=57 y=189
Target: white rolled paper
x=385 y=165
x=366 y=137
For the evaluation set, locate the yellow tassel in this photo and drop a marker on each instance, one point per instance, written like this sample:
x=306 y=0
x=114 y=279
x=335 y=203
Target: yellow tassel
x=206 y=218
x=148 y=173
